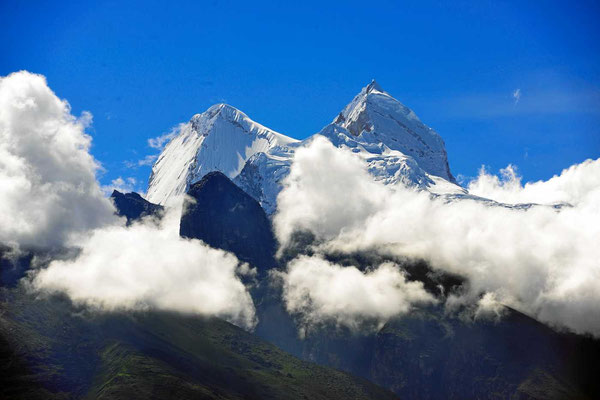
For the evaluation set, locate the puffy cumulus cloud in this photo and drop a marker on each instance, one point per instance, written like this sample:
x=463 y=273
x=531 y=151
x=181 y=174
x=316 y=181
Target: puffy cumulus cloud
x=573 y=186
x=542 y=260
x=321 y=292
x=325 y=182
x=148 y=266
x=48 y=186
x=50 y=197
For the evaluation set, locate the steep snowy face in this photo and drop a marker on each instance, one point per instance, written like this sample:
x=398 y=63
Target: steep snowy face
x=386 y=165
x=395 y=144
x=262 y=175
x=375 y=117
x=220 y=139
x=397 y=147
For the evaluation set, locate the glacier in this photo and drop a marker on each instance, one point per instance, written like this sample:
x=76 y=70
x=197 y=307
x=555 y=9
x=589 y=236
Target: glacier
x=220 y=139
x=397 y=147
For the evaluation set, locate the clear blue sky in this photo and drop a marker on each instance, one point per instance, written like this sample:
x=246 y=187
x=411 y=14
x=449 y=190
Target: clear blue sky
x=142 y=67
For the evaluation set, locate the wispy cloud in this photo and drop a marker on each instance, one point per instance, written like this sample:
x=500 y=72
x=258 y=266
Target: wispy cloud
x=124 y=185
x=541 y=93
x=144 y=162
x=537 y=102
x=517 y=95
x=159 y=142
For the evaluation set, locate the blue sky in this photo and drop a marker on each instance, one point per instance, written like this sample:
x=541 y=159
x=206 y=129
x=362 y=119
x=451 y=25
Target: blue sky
x=142 y=67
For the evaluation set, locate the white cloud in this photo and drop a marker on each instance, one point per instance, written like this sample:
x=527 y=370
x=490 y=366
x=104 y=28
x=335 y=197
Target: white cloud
x=147 y=161
x=325 y=182
x=144 y=162
x=150 y=266
x=320 y=292
x=517 y=95
x=540 y=100
x=122 y=185
x=489 y=307
x=50 y=197
x=159 y=142
x=572 y=186
x=542 y=261
x=48 y=186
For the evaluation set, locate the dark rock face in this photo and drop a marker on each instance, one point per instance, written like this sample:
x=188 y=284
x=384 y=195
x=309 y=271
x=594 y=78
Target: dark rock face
x=133 y=206
x=13 y=266
x=224 y=216
x=430 y=355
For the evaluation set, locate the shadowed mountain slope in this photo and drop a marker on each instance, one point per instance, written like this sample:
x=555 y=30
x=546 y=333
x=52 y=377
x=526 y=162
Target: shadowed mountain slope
x=224 y=216
x=133 y=206
x=51 y=350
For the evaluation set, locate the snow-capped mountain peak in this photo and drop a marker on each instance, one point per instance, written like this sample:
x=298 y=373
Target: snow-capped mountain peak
x=374 y=86
x=220 y=139
x=396 y=146
x=374 y=116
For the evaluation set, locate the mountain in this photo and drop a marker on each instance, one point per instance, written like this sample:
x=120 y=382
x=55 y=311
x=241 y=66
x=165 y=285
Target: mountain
x=224 y=216
x=427 y=354
x=220 y=139
x=50 y=349
x=395 y=144
x=13 y=265
x=133 y=206
x=431 y=355
x=374 y=116
x=263 y=173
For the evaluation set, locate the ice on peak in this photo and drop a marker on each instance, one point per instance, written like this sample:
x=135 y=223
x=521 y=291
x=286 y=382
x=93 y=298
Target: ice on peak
x=223 y=110
x=374 y=117
x=373 y=86
x=220 y=139
x=204 y=122
x=395 y=144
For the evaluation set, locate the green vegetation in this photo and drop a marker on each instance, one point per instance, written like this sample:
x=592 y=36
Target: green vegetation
x=63 y=352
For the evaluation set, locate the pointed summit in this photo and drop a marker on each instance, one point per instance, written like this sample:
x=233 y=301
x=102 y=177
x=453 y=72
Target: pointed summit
x=373 y=86
x=220 y=139
x=202 y=122
x=375 y=117
x=224 y=110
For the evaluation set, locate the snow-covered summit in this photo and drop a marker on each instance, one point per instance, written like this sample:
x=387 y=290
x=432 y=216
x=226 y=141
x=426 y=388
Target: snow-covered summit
x=220 y=139
x=374 y=116
x=395 y=144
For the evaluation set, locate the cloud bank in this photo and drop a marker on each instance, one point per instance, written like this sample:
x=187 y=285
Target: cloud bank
x=48 y=186
x=575 y=185
x=50 y=197
x=542 y=261
x=321 y=292
x=149 y=266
